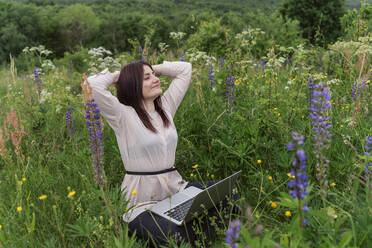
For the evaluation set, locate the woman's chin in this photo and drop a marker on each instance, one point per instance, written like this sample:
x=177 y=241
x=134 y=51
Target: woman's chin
x=159 y=92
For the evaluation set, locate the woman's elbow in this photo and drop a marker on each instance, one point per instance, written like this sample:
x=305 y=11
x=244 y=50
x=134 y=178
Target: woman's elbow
x=188 y=67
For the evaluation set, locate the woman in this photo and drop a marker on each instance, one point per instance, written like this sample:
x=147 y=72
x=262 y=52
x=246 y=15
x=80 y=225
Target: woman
x=142 y=119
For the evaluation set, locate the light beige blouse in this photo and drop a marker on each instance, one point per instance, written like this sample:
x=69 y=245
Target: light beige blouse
x=142 y=150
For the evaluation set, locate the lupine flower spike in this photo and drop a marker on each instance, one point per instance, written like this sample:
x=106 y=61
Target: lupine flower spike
x=320 y=104
x=232 y=233
x=70 y=123
x=230 y=93
x=37 y=79
x=211 y=76
x=140 y=52
x=182 y=58
x=367 y=152
x=221 y=62
x=263 y=66
x=311 y=89
x=93 y=121
x=299 y=183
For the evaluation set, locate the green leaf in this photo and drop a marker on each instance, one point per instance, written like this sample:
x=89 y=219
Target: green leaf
x=284 y=240
x=286 y=200
x=345 y=240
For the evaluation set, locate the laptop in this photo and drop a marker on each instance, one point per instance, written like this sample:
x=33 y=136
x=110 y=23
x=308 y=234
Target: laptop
x=182 y=206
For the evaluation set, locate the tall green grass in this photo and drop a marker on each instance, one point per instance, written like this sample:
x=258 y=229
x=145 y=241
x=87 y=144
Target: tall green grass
x=253 y=138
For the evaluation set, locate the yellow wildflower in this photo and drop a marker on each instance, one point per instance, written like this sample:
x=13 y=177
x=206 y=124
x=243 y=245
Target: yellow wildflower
x=288 y=213
x=289 y=175
x=274 y=205
x=24 y=179
x=195 y=166
x=71 y=194
x=20 y=182
x=333 y=184
x=134 y=192
x=191 y=175
x=302 y=116
x=126 y=209
x=43 y=197
x=341 y=126
x=19 y=209
x=1 y=227
x=259 y=161
x=270 y=178
x=278 y=114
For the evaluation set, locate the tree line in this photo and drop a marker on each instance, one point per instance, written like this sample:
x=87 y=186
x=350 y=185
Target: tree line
x=117 y=25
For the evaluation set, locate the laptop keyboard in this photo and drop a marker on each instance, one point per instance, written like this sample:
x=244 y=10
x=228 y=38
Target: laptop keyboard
x=179 y=212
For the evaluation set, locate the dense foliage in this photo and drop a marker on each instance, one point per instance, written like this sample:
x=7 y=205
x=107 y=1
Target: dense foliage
x=319 y=19
x=64 y=25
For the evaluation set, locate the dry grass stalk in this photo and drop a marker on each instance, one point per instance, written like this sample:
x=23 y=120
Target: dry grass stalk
x=13 y=69
x=86 y=89
x=16 y=133
x=2 y=143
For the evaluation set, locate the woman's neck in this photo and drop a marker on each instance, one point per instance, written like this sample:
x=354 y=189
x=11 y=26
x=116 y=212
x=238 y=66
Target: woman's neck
x=149 y=106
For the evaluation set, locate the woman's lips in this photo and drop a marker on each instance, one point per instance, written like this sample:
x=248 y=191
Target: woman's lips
x=156 y=85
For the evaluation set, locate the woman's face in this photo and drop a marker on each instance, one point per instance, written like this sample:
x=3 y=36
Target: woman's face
x=150 y=85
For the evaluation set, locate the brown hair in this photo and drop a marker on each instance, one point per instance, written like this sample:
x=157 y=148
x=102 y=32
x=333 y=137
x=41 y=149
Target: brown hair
x=129 y=92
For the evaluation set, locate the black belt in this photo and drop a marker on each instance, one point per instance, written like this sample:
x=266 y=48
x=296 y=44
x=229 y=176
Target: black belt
x=150 y=172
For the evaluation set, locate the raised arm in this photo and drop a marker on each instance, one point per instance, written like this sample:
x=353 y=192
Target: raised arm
x=108 y=104
x=180 y=72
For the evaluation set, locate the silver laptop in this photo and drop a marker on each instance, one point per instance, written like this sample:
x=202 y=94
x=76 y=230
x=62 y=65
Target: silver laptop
x=180 y=207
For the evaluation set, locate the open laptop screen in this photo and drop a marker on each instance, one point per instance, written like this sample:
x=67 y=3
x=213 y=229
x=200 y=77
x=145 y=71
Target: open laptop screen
x=213 y=195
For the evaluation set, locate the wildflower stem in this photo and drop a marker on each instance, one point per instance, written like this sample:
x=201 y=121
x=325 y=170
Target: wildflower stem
x=297 y=171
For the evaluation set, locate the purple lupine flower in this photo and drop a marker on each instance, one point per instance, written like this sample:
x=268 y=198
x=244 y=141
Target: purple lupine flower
x=140 y=52
x=367 y=152
x=221 y=61
x=353 y=92
x=320 y=104
x=298 y=184
x=230 y=89
x=70 y=123
x=37 y=79
x=311 y=89
x=211 y=75
x=232 y=233
x=92 y=116
x=263 y=66
x=182 y=58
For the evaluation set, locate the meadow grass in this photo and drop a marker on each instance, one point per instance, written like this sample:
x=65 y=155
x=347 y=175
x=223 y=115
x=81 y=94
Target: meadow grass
x=49 y=197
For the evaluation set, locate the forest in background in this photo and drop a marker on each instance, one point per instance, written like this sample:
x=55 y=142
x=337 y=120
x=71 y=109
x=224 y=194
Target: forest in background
x=121 y=25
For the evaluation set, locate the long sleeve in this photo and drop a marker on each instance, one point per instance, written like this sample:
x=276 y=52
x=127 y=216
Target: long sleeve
x=180 y=72
x=108 y=104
